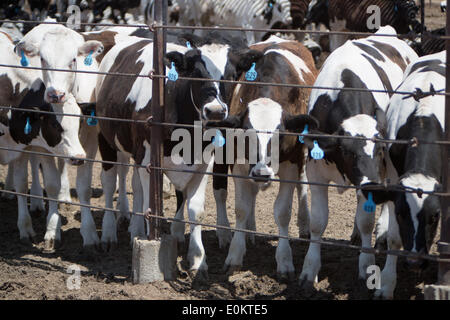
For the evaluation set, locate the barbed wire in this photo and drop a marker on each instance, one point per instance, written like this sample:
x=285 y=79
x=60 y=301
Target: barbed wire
x=147 y=215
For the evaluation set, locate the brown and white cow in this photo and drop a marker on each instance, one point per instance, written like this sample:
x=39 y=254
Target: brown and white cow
x=269 y=108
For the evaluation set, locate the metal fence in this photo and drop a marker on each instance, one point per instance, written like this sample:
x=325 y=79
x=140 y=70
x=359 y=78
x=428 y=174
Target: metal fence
x=155 y=213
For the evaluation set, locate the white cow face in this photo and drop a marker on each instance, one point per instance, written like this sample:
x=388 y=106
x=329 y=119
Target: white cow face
x=58 y=48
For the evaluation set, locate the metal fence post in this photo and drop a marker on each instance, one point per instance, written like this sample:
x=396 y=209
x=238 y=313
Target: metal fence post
x=443 y=244
x=157 y=110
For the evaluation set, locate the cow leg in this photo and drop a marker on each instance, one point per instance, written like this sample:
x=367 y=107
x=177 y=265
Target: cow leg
x=84 y=191
x=389 y=273
x=64 y=193
x=303 y=210
x=9 y=183
x=381 y=228
x=245 y=192
x=36 y=205
x=220 y=186
x=122 y=203
x=177 y=228
x=137 y=202
x=282 y=213
x=355 y=238
x=137 y=223
x=195 y=192
x=318 y=223
x=24 y=222
x=136 y=227
x=251 y=222
x=109 y=225
x=52 y=184
x=365 y=222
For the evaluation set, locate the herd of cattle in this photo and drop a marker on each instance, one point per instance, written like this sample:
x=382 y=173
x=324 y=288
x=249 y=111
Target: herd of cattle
x=381 y=62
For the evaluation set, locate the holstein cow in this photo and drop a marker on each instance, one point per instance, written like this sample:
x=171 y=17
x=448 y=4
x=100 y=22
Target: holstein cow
x=59 y=47
x=343 y=15
x=409 y=219
x=375 y=62
x=56 y=134
x=269 y=108
x=186 y=102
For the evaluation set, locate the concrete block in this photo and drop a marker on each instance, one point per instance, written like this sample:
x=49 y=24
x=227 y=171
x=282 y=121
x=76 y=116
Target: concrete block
x=154 y=260
x=435 y=292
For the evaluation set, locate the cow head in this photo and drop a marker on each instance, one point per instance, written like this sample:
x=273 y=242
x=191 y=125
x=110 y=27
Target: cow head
x=417 y=214
x=407 y=13
x=276 y=12
x=204 y=95
x=259 y=126
x=56 y=133
x=359 y=161
x=318 y=13
x=58 y=48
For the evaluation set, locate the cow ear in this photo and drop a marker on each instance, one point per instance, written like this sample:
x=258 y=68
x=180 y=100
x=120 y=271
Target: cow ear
x=177 y=58
x=378 y=196
x=232 y=121
x=87 y=108
x=29 y=49
x=297 y=123
x=381 y=121
x=243 y=59
x=93 y=47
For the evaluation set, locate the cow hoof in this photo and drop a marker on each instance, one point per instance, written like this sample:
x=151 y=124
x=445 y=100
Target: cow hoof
x=307 y=287
x=231 y=269
x=199 y=276
x=26 y=242
x=286 y=276
x=109 y=246
x=51 y=245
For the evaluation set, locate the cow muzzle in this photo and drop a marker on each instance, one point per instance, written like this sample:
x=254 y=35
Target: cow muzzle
x=77 y=160
x=215 y=112
x=55 y=96
x=261 y=175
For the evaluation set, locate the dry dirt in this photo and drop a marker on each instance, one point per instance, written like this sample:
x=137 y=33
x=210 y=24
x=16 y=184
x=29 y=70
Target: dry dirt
x=27 y=273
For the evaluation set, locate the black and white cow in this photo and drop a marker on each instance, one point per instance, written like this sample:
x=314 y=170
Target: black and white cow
x=374 y=62
x=56 y=46
x=25 y=130
x=408 y=219
x=268 y=108
x=186 y=102
x=57 y=134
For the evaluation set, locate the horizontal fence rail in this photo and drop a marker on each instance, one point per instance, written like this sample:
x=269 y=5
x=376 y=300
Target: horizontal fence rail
x=147 y=215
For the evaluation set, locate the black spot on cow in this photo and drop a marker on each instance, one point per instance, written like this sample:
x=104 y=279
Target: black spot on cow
x=381 y=74
x=390 y=52
x=369 y=50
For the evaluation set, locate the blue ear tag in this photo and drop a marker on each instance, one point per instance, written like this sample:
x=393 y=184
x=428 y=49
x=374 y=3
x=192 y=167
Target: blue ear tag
x=316 y=152
x=251 y=74
x=369 y=205
x=218 y=140
x=188 y=45
x=92 y=121
x=173 y=74
x=24 y=60
x=88 y=59
x=305 y=131
x=27 y=129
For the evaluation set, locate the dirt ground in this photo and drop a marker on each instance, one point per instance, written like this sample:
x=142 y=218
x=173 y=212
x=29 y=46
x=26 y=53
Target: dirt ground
x=27 y=273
